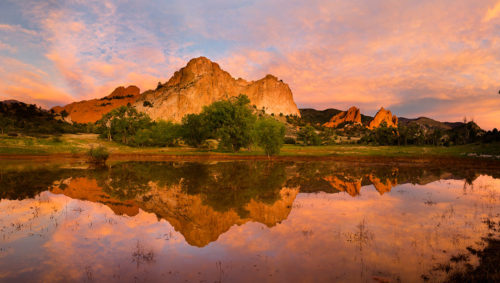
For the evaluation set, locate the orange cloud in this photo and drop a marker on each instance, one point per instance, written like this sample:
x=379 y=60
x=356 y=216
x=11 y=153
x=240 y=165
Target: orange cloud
x=492 y=13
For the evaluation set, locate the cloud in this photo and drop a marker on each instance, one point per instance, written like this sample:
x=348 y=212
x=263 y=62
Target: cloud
x=17 y=29
x=7 y=47
x=332 y=54
x=492 y=13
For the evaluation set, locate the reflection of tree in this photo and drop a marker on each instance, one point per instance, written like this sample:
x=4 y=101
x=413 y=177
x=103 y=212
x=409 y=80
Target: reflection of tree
x=30 y=182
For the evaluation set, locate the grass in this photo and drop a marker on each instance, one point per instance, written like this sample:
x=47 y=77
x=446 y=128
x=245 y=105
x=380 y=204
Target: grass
x=81 y=143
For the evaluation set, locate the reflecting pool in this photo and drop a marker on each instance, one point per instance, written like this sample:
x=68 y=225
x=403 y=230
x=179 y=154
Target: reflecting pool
x=244 y=221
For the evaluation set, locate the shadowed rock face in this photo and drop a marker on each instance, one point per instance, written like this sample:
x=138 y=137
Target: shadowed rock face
x=92 y=110
x=352 y=115
x=203 y=82
x=384 y=116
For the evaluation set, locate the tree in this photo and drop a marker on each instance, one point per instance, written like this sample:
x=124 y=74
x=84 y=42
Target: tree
x=164 y=133
x=5 y=123
x=64 y=113
x=194 y=129
x=123 y=123
x=231 y=121
x=308 y=136
x=270 y=135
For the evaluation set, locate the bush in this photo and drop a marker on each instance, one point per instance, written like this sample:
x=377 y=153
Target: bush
x=290 y=140
x=270 y=134
x=98 y=155
x=308 y=136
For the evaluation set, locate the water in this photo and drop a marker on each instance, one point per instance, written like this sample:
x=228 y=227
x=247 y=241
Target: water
x=243 y=221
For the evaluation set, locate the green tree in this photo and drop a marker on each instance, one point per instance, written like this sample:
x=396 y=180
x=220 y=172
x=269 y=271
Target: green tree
x=270 y=135
x=121 y=124
x=231 y=121
x=194 y=129
x=308 y=136
x=164 y=133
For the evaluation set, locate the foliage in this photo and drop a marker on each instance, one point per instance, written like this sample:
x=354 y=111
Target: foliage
x=289 y=140
x=122 y=124
x=194 y=130
x=269 y=135
x=308 y=136
x=98 y=155
x=230 y=121
x=18 y=117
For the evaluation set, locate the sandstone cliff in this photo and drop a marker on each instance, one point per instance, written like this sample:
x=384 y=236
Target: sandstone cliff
x=384 y=116
x=202 y=82
x=92 y=110
x=352 y=115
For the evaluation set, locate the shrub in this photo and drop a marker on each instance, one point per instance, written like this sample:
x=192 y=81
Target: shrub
x=308 y=136
x=290 y=140
x=98 y=155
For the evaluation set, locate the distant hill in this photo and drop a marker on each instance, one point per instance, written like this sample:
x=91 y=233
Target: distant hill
x=17 y=116
x=429 y=123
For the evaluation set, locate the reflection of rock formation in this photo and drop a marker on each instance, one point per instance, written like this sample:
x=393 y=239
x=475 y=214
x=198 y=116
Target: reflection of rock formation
x=351 y=187
x=199 y=223
x=382 y=187
x=87 y=189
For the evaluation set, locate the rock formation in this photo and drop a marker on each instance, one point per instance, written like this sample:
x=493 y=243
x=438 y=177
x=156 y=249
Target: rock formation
x=352 y=115
x=383 y=116
x=92 y=110
x=202 y=82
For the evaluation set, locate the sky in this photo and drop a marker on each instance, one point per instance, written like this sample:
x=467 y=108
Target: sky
x=439 y=59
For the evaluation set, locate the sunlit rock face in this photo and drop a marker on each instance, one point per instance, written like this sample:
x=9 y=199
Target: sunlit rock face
x=351 y=115
x=202 y=82
x=384 y=116
x=92 y=110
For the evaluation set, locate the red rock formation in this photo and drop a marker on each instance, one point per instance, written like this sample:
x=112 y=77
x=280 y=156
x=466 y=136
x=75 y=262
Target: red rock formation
x=384 y=116
x=92 y=110
x=203 y=82
x=352 y=115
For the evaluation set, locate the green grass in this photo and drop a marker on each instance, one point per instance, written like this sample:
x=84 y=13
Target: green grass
x=80 y=144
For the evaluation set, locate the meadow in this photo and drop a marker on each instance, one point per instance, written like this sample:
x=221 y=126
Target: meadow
x=78 y=144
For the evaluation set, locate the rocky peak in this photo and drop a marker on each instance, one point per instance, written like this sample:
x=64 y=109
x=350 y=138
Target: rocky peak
x=202 y=82
x=384 y=116
x=352 y=115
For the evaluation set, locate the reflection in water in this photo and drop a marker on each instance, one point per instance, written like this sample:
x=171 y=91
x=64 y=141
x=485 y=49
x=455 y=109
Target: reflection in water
x=245 y=221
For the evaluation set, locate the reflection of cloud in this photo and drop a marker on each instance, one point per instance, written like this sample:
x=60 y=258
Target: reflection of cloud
x=68 y=238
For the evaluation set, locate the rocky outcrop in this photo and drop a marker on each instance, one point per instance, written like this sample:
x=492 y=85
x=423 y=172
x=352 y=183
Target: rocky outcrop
x=352 y=115
x=92 y=110
x=202 y=82
x=384 y=116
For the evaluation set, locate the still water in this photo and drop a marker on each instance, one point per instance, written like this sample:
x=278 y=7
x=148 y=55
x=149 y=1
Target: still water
x=243 y=221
